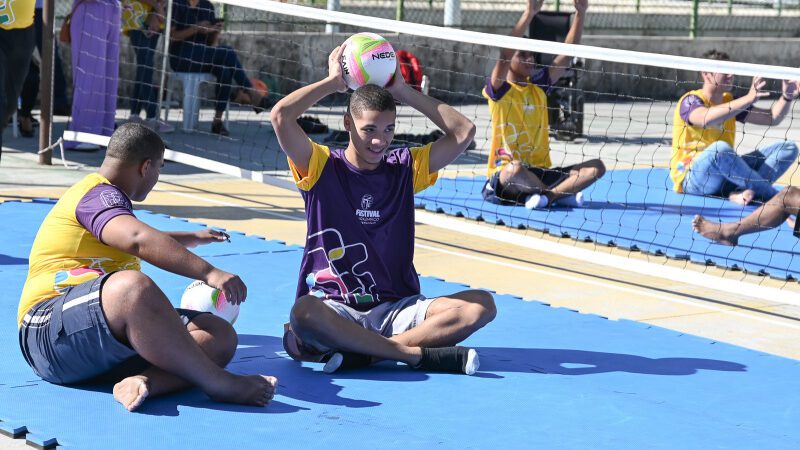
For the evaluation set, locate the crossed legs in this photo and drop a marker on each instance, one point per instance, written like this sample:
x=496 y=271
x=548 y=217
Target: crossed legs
x=140 y=315
x=519 y=182
x=448 y=321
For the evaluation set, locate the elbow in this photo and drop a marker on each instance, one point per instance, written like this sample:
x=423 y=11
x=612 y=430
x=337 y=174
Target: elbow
x=466 y=134
x=277 y=116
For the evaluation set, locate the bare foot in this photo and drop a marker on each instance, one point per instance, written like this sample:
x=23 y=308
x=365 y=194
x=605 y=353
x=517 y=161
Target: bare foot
x=717 y=232
x=255 y=390
x=790 y=222
x=131 y=391
x=742 y=197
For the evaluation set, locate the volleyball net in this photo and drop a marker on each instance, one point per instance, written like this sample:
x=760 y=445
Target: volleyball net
x=614 y=105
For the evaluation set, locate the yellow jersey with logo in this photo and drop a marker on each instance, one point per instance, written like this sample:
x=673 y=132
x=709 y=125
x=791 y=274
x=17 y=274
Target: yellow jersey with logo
x=688 y=140
x=520 y=124
x=67 y=251
x=16 y=14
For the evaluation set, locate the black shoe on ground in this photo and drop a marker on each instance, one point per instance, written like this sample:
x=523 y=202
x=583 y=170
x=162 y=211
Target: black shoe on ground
x=346 y=360
x=218 y=127
x=449 y=359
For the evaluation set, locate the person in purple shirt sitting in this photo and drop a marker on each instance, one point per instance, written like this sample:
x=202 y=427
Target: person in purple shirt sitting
x=358 y=295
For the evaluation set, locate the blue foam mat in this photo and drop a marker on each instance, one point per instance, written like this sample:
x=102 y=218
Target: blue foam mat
x=549 y=377
x=631 y=209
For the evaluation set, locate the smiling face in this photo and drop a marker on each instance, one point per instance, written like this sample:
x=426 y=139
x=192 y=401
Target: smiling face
x=371 y=132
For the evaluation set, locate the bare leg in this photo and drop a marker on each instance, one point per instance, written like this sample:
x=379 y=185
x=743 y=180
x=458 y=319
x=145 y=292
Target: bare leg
x=451 y=319
x=140 y=315
x=580 y=177
x=518 y=181
x=215 y=337
x=769 y=215
x=313 y=322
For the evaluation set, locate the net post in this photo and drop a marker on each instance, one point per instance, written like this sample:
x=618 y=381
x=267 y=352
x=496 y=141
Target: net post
x=639 y=4
x=330 y=28
x=452 y=13
x=558 y=5
x=46 y=82
x=693 y=20
x=730 y=7
x=400 y=12
x=165 y=58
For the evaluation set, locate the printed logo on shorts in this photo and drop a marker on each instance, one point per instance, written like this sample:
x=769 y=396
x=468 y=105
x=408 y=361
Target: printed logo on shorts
x=112 y=197
x=365 y=214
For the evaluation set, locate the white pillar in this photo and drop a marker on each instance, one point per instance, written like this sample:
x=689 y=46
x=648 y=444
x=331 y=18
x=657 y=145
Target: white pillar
x=333 y=5
x=452 y=13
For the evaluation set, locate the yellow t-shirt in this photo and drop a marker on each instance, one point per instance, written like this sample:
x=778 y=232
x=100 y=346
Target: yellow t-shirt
x=519 y=127
x=66 y=254
x=134 y=15
x=688 y=141
x=16 y=14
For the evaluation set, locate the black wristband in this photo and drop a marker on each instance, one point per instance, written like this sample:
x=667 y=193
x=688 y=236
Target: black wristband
x=789 y=99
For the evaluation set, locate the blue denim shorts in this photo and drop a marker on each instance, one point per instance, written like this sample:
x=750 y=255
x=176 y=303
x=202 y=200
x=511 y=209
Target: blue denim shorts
x=66 y=339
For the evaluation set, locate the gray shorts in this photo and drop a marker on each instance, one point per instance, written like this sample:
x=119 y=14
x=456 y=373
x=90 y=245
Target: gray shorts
x=66 y=339
x=387 y=319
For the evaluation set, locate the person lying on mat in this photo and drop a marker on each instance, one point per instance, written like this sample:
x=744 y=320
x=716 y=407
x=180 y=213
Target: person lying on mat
x=520 y=170
x=704 y=161
x=777 y=210
x=358 y=294
x=87 y=310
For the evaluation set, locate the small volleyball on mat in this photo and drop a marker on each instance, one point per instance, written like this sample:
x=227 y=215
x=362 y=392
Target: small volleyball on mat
x=199 y=296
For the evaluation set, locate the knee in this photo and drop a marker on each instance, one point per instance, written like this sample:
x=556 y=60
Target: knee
x=136 y=288
x=594 y=169
x=223 y=338
x=305 y=313
x=788 y=151
x=792 y=198
x=720 y=149
x=481 y=307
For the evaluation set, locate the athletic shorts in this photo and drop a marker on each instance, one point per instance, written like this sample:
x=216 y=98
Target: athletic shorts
x=66 y=339
x=387 y=319
x=551 y=177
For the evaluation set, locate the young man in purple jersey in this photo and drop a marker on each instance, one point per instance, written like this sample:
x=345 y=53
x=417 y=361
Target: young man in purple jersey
x=358 y=294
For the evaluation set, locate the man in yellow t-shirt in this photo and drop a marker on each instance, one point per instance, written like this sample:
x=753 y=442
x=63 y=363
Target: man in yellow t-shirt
x=16 y=47
x=520 y=169
x=86 y=308
x=704 y=161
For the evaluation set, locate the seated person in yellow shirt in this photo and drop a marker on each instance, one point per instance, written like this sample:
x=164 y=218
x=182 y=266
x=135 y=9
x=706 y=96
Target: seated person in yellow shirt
x=704 y=161
x=87 y=309
x=520 y=170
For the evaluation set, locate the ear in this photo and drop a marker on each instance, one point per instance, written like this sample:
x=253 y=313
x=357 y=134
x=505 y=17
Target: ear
x=144 y=166
x=348 y=122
